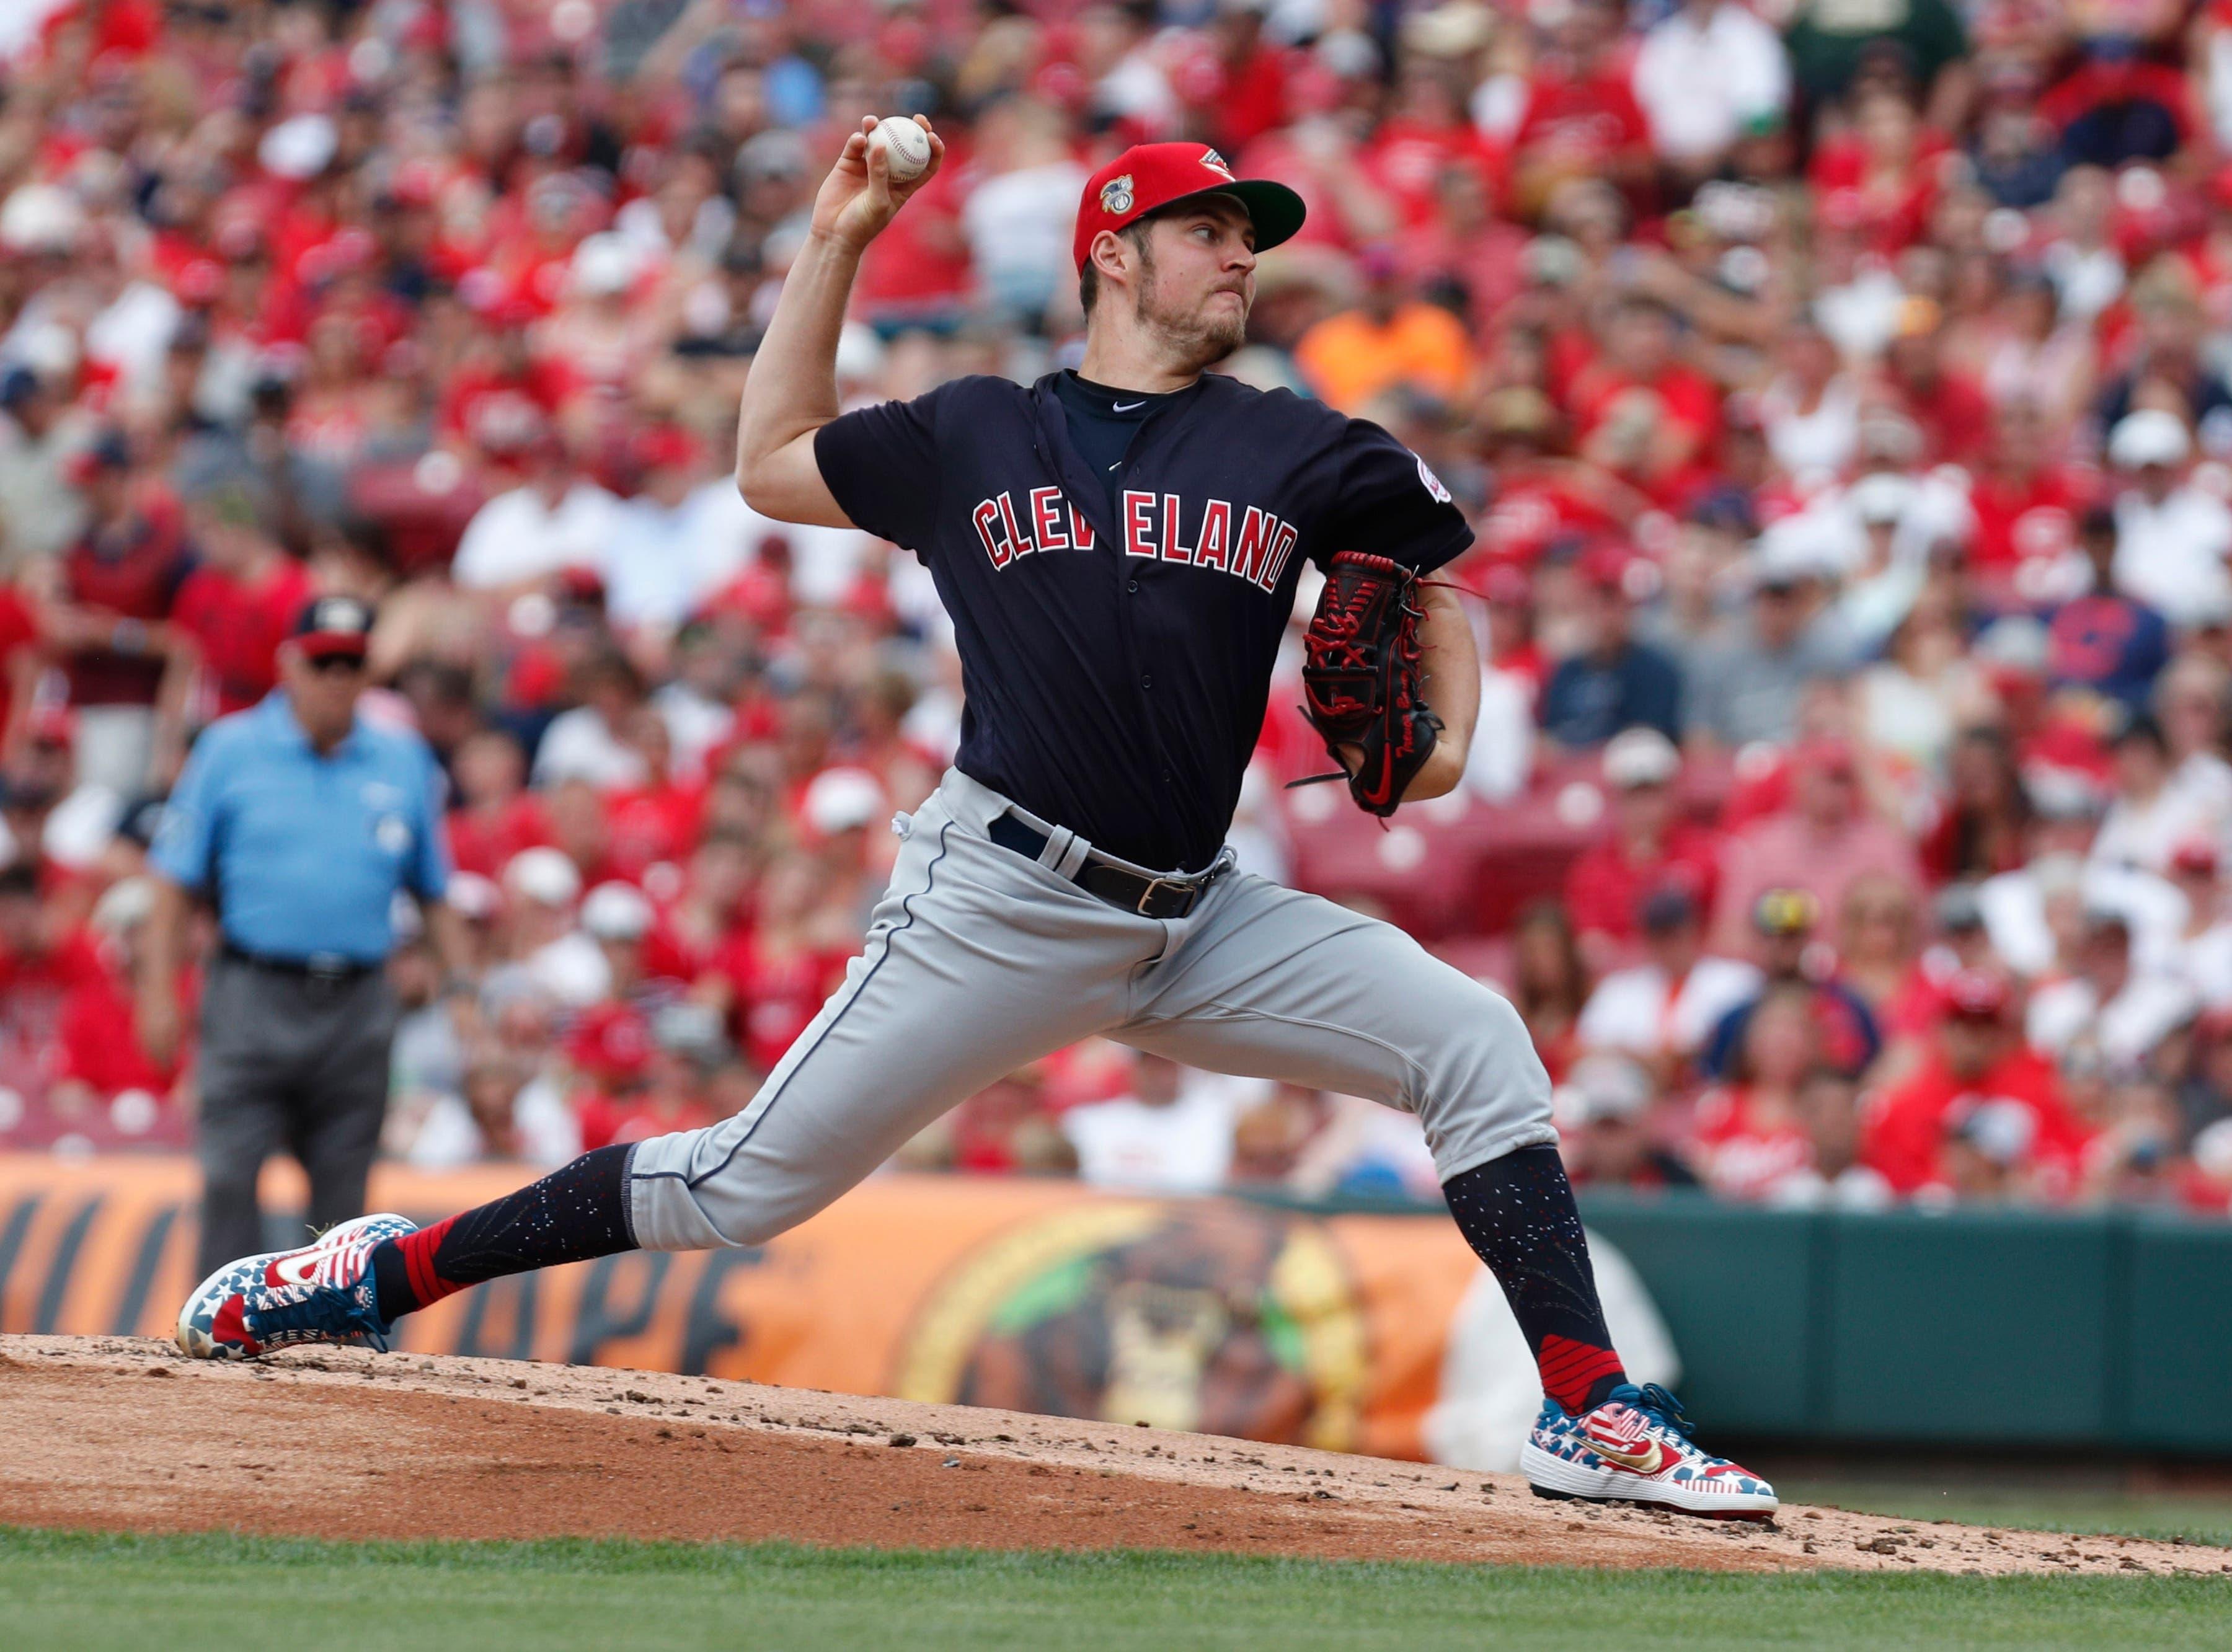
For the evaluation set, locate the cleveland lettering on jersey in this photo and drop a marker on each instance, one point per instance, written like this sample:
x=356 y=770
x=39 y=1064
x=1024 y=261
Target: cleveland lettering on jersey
x=1117 y=629
x=1053 y=525
x=1248 y=543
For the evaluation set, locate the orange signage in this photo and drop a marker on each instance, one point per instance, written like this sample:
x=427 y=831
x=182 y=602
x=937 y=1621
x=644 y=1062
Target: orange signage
x=1214 y=1314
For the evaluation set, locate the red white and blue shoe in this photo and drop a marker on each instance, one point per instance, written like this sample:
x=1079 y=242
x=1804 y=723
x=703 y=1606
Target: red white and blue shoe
x=322 y=1293
x=1635 y=1447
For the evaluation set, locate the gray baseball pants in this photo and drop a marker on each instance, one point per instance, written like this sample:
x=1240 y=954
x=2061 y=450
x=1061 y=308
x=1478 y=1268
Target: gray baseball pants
x=978 y=961
x=293 y=1063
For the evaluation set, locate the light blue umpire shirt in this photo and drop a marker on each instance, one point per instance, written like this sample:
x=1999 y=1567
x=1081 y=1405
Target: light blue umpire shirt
x=302 y=854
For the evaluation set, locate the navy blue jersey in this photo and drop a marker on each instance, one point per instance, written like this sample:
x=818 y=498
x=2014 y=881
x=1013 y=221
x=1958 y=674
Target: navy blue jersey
x=1115 y=664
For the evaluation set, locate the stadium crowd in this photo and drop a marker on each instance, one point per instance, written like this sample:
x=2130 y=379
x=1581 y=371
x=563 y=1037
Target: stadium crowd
x=1839 y=392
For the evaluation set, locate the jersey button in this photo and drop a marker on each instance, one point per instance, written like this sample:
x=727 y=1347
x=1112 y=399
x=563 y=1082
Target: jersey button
x=1147 y=679
x=1132 y=585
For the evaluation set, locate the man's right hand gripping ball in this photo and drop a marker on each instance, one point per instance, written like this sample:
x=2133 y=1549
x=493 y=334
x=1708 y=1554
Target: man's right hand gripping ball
x=1361 y=679
x=859 y=197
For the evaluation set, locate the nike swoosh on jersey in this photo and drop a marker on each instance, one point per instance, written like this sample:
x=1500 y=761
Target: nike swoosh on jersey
x=1125 y=407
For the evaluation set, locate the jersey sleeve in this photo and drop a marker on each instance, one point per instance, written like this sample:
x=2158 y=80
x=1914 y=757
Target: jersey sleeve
x=1388 y=502
x=880 y=466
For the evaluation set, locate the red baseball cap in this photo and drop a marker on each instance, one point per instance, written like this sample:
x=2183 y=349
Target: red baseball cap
x=1148 y=177
x=52 y=725
x=1605 y=566
x=2196 y=856
x=611 y=1042
x=1976 y=995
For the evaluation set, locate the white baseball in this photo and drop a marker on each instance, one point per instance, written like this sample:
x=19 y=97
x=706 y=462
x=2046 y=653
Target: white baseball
x=905 y=147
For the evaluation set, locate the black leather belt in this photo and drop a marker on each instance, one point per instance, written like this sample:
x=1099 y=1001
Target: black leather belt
x=335 y=969
x=1156 y=897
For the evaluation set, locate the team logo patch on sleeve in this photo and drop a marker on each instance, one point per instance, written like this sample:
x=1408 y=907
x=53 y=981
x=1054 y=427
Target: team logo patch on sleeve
x=1433 y=482
x=1116 y=196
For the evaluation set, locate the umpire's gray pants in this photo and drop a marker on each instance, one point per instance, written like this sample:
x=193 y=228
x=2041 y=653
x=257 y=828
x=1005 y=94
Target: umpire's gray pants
x=287 y=1062
x=979 y=961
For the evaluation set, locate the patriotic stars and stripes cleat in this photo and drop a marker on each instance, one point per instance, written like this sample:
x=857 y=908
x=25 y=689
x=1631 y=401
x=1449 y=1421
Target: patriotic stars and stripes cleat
x=323 y=1292
x=1635 y=1447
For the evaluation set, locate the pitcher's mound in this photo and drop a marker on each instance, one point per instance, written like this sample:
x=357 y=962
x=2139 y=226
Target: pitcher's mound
x=120 y=1434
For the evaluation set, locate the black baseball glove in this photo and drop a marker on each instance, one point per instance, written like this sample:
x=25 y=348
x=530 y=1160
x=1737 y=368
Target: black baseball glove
x=1361 y=679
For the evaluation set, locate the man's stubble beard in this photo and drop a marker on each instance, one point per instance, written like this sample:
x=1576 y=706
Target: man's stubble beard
x=1197 y=338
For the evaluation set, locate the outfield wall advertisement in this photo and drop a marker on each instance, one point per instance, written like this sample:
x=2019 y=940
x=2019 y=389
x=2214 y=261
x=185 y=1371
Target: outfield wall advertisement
x=1214 y=1314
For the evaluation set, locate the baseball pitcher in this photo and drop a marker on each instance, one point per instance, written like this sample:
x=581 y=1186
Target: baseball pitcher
x=1119 y=548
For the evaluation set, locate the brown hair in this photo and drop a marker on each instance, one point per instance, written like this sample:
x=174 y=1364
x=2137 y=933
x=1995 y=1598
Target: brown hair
x=1088 y=279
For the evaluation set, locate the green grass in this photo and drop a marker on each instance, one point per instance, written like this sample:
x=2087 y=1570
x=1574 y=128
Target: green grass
x=61 y=1589
x=2197 y=1518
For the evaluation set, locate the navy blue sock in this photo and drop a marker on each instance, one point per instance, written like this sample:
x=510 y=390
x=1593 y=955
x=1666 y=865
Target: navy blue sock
x=1518 y=1215
x=577 y=1211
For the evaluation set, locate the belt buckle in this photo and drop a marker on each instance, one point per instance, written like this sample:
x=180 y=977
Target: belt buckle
x=326 y=970
x=1154 y=883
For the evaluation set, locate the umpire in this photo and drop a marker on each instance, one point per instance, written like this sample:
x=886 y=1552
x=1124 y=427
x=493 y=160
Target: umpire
x=299 y=822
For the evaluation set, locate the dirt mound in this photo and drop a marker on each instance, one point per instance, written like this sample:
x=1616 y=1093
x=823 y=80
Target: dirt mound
x=123 y=1433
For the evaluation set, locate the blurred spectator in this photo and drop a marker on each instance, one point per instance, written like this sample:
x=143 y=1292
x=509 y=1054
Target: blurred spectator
x=1391 y=341
x=2104 y=640
x=1920 y=43
x=1016 y=218
x=1751 y=1135
x=1984 y=827
x=1879 y=958
x=1664 y=1010
x=2202 y=958
x=1825 y=841
x=2106 y=1002
x=1549 y=983
x=41 y=434
x=1581 y=119
x=1829 y=1107
x=1640 y=411
x=1981 y=1107
x=494 y=1117
x=556 y=518
x=2191 y=704
x=2171 y=537
x=119 y=580
x=1910 y=704
x=590 y=742
x=1749 y=683
x=237 y=604
x=1650 y=848
x=542 y=950
x=1171 y=1133
x=1512 y=671
x=100 y=1062
x=1846 y=1039
x=1604 y=1135
x=1810 y=408
x=1706 y=75
x=493 y=817
x=1005 y=1129
x=2149 y=815
x=1270 y=1137
x=1610 y=682
x=646 y=1076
